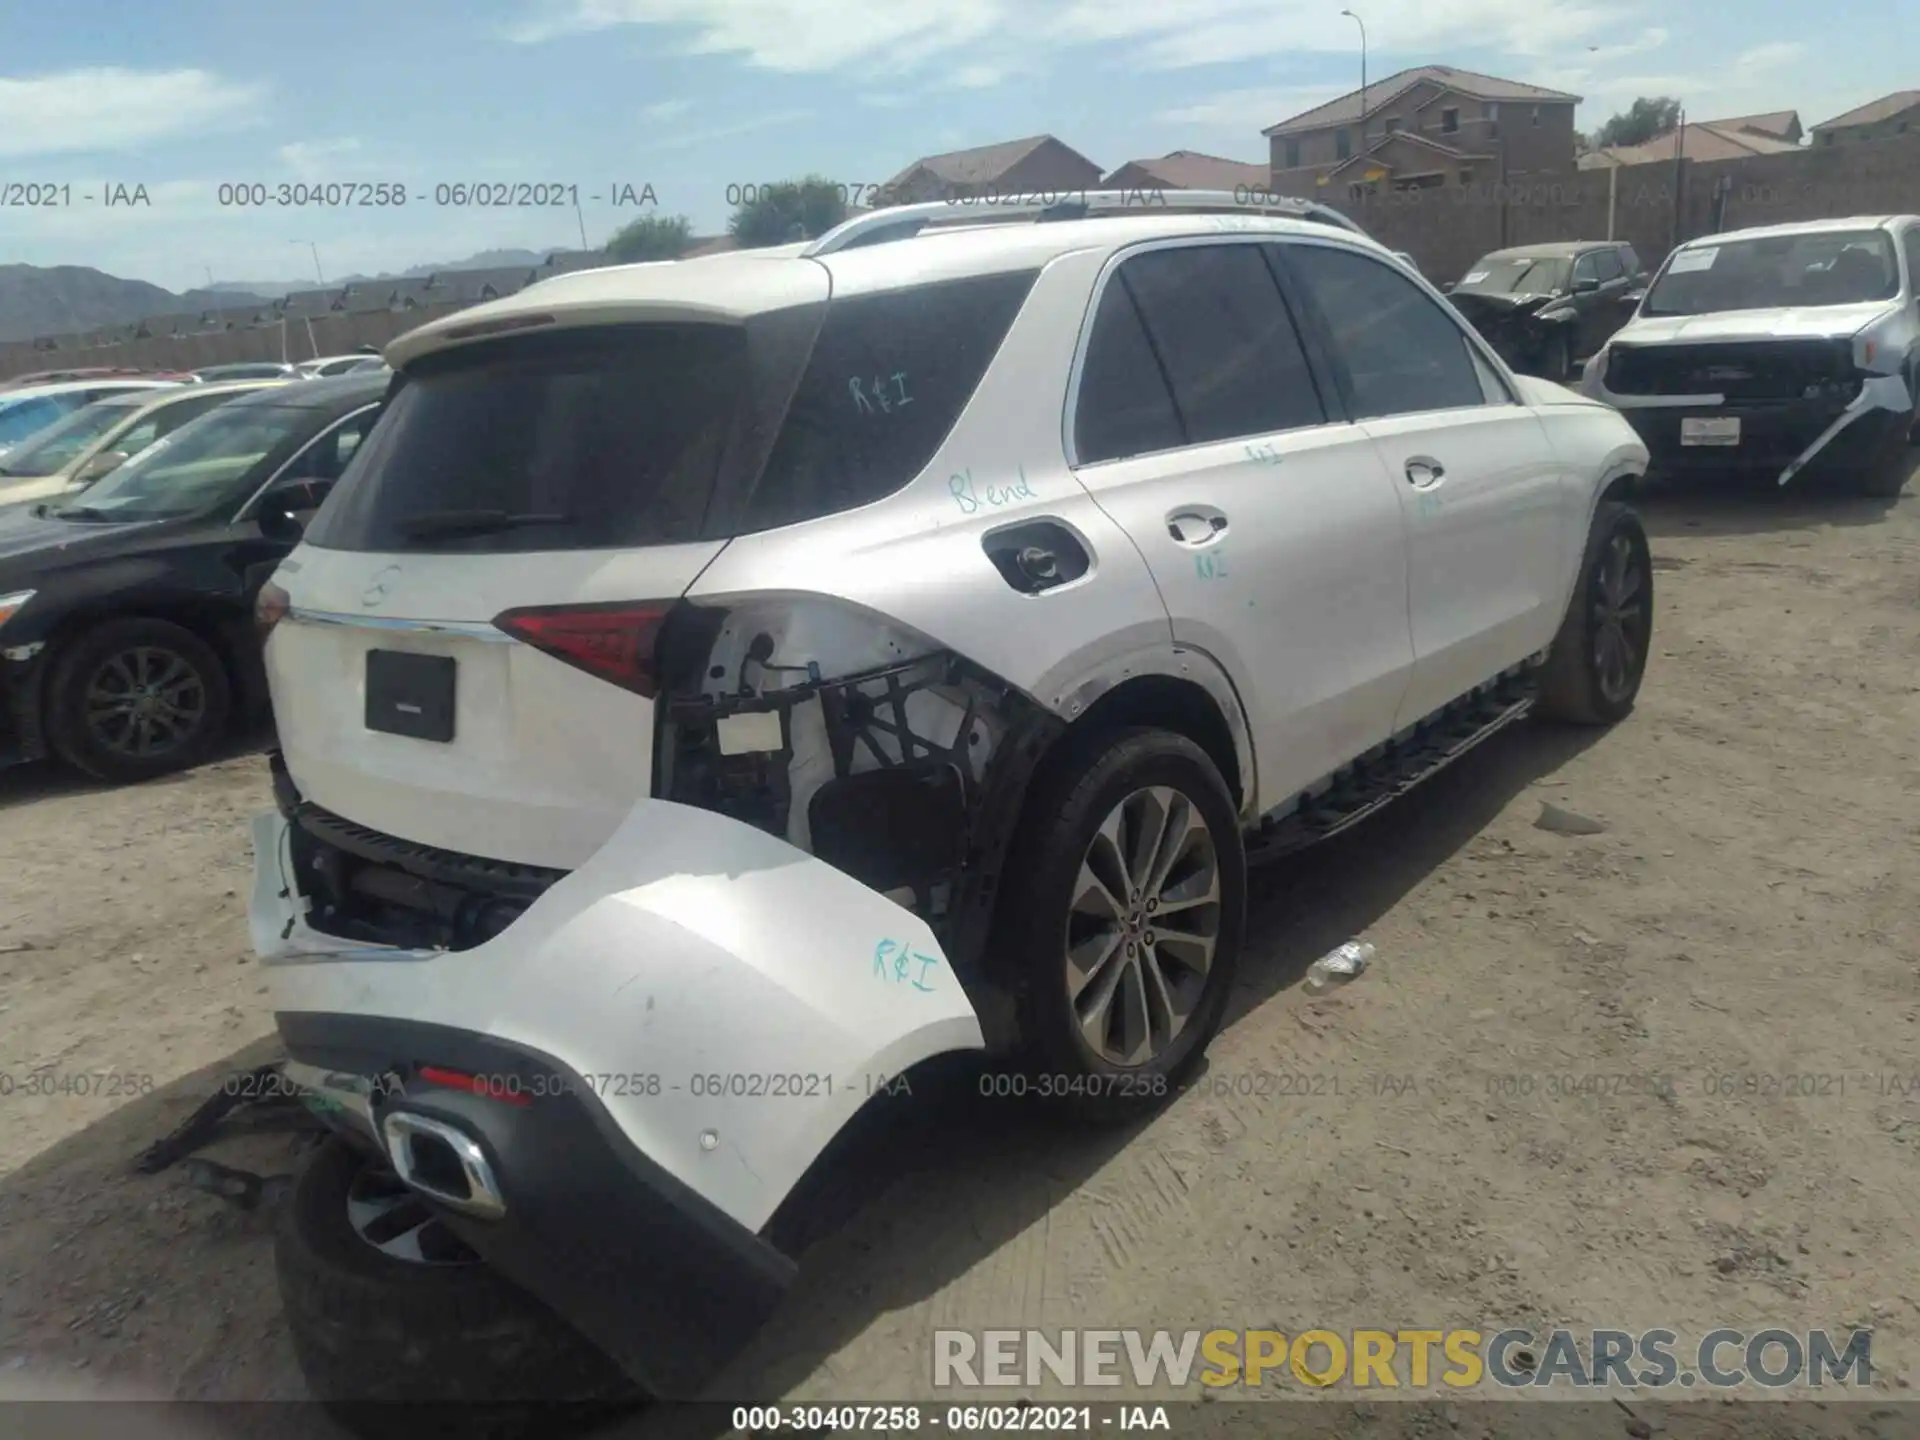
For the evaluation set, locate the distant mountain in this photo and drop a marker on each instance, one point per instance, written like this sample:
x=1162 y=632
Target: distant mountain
x=62 y=299
x=485 y=260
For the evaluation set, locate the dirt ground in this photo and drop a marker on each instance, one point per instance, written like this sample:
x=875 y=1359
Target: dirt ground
x=1568 y=1091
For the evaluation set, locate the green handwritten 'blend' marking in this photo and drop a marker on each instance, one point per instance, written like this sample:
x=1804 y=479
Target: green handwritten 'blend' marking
x=988 y=497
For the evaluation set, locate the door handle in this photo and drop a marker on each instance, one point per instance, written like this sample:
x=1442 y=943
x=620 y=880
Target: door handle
x=1192 y=527
x=1423 y=473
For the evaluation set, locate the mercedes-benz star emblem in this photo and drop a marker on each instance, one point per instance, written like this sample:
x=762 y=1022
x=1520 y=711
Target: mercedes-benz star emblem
x=376 y=590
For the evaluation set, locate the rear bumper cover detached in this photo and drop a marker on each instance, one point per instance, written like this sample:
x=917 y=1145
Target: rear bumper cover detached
x=639 y=1263
x=663 y=1043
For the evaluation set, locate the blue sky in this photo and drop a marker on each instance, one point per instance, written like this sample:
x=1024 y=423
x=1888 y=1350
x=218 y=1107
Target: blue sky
x=691 y=96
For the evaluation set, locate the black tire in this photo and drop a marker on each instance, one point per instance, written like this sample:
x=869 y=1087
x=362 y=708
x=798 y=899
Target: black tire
x=377 y=1337
x=1885 y=476
x=1576 y=685
x=110 y=657
x=1093 y=781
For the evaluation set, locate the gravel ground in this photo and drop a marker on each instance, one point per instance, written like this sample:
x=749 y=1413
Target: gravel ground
x=1666 y=1074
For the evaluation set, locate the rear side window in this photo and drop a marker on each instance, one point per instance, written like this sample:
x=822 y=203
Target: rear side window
x=1125 y=407
x=1629 y=260
x=1402 y=353
x=889 y=375
x=1912 y=244
x=582 y=439
x=1224 y=341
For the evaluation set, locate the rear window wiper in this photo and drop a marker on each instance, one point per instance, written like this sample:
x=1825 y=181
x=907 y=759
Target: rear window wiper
x=471 y=522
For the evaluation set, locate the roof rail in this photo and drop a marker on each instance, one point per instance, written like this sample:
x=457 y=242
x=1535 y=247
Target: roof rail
x=903 y=222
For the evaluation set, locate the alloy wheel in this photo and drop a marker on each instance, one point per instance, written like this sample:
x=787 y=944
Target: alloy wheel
x=145 y=702
x=1143 y=926
x=399 y=1224
x=1621 y=618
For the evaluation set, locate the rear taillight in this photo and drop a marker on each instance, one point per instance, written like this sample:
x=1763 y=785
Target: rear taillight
x=269 y=609
x=614 y=642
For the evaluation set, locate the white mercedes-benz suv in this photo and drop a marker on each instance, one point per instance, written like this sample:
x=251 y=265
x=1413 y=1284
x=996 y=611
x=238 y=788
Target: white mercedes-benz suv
x=717 y=687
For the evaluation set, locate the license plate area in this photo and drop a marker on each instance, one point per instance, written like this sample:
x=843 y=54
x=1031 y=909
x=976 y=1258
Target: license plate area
x=1710 y=430
x=410 y=694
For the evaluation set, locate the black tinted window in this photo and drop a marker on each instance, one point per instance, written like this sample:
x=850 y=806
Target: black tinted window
x=326 y=458
x=1402 y=353
x=1913 y=262
x=613 y=437
x=1606 y=264
x=1629 y=260
x=1225 y=341
x=1125 y=407
x=888 y=377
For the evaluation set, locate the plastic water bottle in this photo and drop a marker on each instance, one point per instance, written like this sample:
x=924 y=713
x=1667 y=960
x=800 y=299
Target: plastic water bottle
x=1338 y=966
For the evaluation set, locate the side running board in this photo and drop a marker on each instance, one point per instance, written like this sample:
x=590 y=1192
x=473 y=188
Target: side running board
x=1368 y=784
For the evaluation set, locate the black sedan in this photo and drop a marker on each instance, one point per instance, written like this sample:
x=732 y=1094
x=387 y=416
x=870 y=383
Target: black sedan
x=1544 y=307
x=126 y=640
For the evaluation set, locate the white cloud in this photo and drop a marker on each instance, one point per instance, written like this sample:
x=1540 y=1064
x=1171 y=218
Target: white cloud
x=1770 y=56
x=1747 y=84
x=822 y=35
x=112 y=108
x=790 y=35
x=667 y=109
x=686 y=140
x=1248 y=112
x=323 y=159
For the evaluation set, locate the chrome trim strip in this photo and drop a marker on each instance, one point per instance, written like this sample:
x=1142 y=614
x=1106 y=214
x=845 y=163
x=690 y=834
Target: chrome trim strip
x=483 y=1198
x=350 y=1094
x=466 y=629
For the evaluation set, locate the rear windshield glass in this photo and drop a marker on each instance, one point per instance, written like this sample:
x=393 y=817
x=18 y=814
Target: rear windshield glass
x=1777 y=272
x=583 y=440
x=1517 y=275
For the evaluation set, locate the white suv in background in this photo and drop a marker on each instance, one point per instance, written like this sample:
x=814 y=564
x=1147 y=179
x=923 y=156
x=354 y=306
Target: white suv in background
x=716 y=688
x=1784 y=351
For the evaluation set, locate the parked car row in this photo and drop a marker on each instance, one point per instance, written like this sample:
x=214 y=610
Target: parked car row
x=126 y=599
x=1786 y=350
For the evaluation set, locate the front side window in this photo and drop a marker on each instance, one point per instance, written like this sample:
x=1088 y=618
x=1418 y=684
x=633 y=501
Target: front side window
x=1223 y=340
x=1585 y=268
x=1402 y=353
x=326 y=457
x=1913 y=262
x=888 y=378
x=1777 y=272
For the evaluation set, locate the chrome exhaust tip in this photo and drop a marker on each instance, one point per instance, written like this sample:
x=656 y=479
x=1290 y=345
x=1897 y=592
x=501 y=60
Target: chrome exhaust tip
x=442 y=1163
